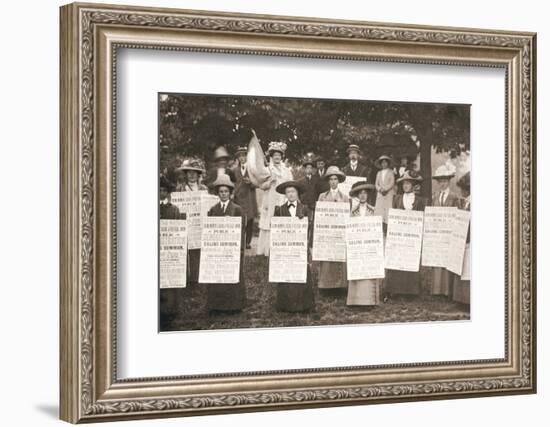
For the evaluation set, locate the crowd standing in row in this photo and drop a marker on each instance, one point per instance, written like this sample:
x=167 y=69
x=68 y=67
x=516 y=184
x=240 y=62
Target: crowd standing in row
x=282 y=195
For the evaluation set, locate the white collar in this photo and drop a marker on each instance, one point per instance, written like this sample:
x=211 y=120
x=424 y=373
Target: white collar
x=353 y=163
x=446 y=191
x=288 y=202
x=409 y=195
x=334 y=190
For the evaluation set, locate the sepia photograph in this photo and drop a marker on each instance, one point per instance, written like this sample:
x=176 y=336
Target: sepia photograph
x=278 y=212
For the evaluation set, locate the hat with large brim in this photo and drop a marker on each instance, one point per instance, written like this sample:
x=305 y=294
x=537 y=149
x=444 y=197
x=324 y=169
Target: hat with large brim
x=191 y=165
x=378 y=161
x=360 y=186
x=353 y=147
x=464 y=182
x=334 y=170
x=412 y=176
x=223 y=180
x=221 y=153
x=276 y=146
x=443 y=172
x=281 y=188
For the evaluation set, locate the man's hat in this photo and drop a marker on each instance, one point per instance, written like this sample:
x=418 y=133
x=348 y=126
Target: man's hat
x=335 y=170
x=308 y=160
x=443 y=172
x=281 y=188
x=359 y=186
x=353 y=147
x=241 y=149
x=221 y=153
x=412 y=176
x=223 y=180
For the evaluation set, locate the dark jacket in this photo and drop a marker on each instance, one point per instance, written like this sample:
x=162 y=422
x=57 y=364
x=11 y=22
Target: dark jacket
x=301 y=212
x=310 y=195
x=419 y=203
x=232 y=209
x=245 y=194
x=170 y=211
x=452 y=200
x=360 y=170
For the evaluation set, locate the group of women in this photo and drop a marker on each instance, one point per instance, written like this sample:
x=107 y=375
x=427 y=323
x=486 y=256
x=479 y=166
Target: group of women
x=281 y=197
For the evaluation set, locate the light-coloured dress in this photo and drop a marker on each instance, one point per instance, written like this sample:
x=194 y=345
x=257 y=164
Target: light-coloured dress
x=461 y=288
x=278 y=174
x=385 y=181
x=366 y=291
x=332 y=275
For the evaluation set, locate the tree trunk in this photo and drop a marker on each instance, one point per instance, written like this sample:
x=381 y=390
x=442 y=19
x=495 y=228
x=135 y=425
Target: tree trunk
x=425 y=135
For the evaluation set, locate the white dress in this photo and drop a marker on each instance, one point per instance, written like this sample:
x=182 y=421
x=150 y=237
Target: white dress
x=270 y=198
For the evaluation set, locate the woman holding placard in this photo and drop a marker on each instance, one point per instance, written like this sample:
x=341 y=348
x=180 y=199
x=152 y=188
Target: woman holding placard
x=294 y=297
x=461 y=284
x=191 y=172
x=332 y=275
x=227 y=297
x=398 y=281
x=364 y=292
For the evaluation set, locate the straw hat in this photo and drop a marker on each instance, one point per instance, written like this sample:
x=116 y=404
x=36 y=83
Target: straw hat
x=410 y=176
x=378 y=161
x=277 y=146
x=353 y=147
x=334 y=170
x=221 y=153
x=223 y=180
x=443 y=172
x=191 y=165
x=360 y=186
x=241 y=149
x=308 y=160
x=281 y=188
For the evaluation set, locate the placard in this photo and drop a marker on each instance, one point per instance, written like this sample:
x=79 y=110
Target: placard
x=345 y=186
x=195 y=204
x=173 y=253
x=220 y=258
x=438 y=226
x=466 y=264
x=329 y=232
x=458 y=241
x=404 y=239
x=288 y=250
x=364 y=247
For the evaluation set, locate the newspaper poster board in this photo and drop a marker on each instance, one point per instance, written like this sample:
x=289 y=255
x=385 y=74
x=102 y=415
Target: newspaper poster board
x=458 y=241
x=288 y=250
x=195 y=204
x=329 y=231
x=173 y=253
x=404 y=239
x=364 y=247
x=466 y=264
x=438 y=226
x=345 y=186
x=220 y=258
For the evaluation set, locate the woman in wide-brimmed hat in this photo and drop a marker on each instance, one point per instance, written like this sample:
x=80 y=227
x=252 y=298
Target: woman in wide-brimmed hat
x=332 y=275
x=278 y=173
x=192 y=171
x=189 y=174
x=442 y=279
x=461 y=284
x=385 y=183
x=397 y=281
x=227 y=297
x=365 y=292
x=294 y=297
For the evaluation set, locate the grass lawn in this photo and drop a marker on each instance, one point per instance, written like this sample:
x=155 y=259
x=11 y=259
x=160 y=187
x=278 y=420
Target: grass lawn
x=329 y=310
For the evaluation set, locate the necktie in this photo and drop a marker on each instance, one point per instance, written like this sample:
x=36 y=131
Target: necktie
x=441 y=198
x=224 y=205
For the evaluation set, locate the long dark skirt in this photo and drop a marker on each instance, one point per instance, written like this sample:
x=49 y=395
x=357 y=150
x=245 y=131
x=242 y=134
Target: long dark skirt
x=225 y=296
x=442 y=281
x=295 y=297
x=170 y=302
x=461 y=290
x=193 y=265
x=402 y=282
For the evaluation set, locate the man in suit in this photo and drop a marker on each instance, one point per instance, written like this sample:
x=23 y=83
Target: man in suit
x=310 y=183
x=322 y=184
x=245 y=194
x=444 y=196
x=354 y=168
x=166 y=209
x=221 y=159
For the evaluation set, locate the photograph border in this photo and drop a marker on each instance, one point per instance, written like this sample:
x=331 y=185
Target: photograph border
x=90 y=37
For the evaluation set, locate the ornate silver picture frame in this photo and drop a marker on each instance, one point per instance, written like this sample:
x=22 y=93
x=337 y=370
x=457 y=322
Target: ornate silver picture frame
x=91 y=36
